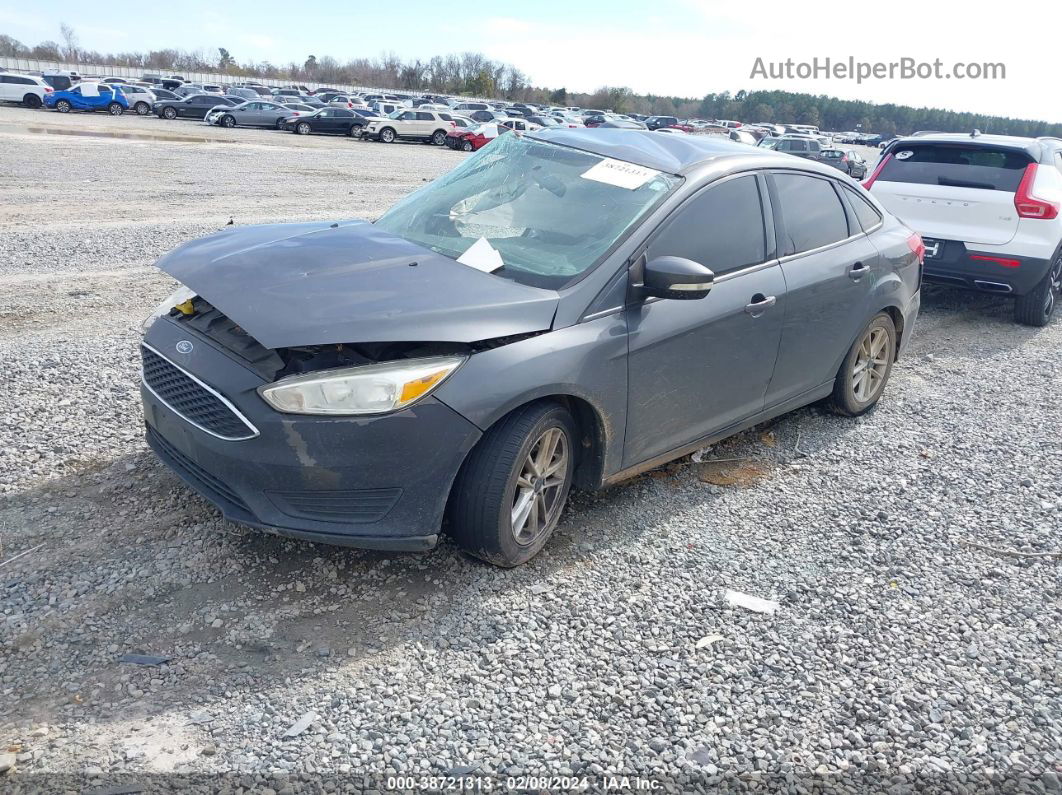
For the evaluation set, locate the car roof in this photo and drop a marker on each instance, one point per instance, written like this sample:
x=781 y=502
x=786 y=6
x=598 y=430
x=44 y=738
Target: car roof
x=674 y=154
x=1034 y=147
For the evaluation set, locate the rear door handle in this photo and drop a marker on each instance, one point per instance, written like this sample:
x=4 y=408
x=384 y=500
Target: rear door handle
x=858 y=271
x=760 y=304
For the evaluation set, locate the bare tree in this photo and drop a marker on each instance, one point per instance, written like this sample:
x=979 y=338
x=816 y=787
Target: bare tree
x=71 y=45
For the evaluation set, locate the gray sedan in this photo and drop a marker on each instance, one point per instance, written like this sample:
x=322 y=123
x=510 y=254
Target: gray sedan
x=566 y=307
x=256 y=113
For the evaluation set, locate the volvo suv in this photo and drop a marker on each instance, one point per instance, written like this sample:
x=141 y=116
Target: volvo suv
x=987 y=207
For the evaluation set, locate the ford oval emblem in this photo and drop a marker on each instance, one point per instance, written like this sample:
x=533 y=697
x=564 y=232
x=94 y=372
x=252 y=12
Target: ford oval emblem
x=184 y=346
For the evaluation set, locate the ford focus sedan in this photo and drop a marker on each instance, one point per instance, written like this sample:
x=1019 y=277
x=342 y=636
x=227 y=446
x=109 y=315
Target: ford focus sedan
x=565 y=308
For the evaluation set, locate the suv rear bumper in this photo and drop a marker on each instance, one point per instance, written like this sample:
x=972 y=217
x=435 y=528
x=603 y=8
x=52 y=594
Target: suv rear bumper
x=985 y=271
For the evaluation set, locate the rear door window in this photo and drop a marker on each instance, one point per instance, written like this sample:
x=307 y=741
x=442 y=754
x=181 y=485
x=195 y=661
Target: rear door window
x=812 y=212
x=957 y=166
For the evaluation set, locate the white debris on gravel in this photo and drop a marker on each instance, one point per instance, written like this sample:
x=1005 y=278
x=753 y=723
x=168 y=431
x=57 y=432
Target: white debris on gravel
x=901 y=658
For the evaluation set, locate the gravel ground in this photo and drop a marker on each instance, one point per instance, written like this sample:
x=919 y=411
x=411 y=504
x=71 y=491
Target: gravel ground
x=916 y=642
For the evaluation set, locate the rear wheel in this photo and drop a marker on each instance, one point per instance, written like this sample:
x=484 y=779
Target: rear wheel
x=387 y=135
x=1036 y=307
x=115 y=109
x=509 y=495
x=142 y=108
x=438 y=137
x=302 y=128
x=866 y=369
x=169 y=113
x=279 y=124
x=63 y=106
x=32 y=101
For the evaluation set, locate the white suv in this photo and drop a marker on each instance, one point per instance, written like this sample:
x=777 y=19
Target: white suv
x=27 y=89
x=425 y=125
x=987 y=207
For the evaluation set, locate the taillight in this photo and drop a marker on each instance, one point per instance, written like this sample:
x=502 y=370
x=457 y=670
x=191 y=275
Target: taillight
x=917 y=246
x=877 y=171
x=844 y=158
x=1027 y=205
x=1004 y=261
x=48 y=89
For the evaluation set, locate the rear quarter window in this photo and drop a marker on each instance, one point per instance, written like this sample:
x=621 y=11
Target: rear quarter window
x=956 y=166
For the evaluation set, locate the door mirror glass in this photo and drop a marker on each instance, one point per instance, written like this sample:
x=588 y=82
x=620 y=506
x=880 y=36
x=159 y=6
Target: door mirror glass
x=677 y=278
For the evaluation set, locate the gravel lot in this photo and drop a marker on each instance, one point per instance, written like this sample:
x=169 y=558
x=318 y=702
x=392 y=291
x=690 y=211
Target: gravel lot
x=907 y=651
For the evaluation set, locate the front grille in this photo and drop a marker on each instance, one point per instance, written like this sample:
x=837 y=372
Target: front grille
x=192 y=400
x=209 y=486
x=346 y=507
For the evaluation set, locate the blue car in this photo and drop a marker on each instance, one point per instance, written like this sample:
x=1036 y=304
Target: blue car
x=89 y=96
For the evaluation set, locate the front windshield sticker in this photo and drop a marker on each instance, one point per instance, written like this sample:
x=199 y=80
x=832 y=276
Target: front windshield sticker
x=482 y=256
x=620 y=174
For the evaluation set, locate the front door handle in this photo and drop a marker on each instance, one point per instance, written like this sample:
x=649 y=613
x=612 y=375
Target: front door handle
x=858 y=271
x=760 y=304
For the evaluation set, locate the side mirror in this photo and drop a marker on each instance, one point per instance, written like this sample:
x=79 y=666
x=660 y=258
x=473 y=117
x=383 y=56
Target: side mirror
x=676 y=278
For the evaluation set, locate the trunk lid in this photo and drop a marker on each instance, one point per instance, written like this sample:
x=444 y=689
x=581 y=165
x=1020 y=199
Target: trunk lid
x=320 y=283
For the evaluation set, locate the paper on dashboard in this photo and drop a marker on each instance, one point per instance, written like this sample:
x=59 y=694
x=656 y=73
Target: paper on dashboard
x=482 y=256
x=620 y=174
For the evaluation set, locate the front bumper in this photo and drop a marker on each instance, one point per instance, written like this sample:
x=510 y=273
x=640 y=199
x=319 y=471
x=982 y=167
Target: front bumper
x=961 y=266
x=369 y=482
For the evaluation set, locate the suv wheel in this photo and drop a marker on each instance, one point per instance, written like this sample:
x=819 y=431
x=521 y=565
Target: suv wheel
x=866 y=369
x=169 y=113
x=387 y=135
x=32 y=101
x=438 y=137
x=142 y=108
x=1036 y=306
x=510 y=492
x=63 y=106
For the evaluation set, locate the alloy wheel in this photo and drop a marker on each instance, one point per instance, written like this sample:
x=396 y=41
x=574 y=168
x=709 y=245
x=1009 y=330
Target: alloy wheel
x=871 y=365
x=1055 y=289
x=540 y=486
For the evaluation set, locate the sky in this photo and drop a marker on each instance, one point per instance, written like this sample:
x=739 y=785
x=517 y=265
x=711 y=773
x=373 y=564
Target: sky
x=674 y=47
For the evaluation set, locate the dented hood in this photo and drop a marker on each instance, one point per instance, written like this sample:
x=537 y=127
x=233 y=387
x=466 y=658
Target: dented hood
x=320 y=283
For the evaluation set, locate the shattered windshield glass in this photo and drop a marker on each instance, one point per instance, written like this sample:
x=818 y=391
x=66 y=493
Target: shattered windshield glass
x=550 y=212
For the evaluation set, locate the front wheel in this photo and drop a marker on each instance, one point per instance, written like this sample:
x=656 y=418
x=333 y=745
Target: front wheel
x=509 y=495
x=169 y=113
x=142 y=108
x=115 y=109
x=228 y=121
x=866 y=369
x=466 y=146
x=63 y=106
x=302 y=128
x=387 y=135
x=1036 y=306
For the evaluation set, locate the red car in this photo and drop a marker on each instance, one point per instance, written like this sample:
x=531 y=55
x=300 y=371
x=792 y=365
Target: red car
x=476 y=138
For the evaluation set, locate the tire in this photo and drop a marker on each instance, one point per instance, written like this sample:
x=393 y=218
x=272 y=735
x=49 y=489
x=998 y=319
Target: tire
x=853 y=396
x=466 y=146
x=496 y=480
x=438 y=137
x=227 y=121
x=115 y=109
x=32 y=101
x=63 y=106
x=279 y=124
x=387 y=135
x=355 y=130
x=302 y=128
x=169 y=113
x=1036 y=307
x=142 y=108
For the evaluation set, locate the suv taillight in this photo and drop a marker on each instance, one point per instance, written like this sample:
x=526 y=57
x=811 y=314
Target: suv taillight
x=877 y=171
x=48 y=89
x=1027 y=205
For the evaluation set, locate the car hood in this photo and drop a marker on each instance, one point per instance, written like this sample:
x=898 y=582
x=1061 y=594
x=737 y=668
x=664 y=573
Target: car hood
x=321 y=283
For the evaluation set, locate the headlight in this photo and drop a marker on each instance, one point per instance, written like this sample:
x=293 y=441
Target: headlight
x=178 y=296
x=369 y=389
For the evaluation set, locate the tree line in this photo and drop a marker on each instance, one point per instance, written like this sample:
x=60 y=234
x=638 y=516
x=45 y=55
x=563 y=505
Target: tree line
x=474 y=74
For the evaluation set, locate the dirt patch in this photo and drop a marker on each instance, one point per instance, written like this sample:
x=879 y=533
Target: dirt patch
x=733 y=473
